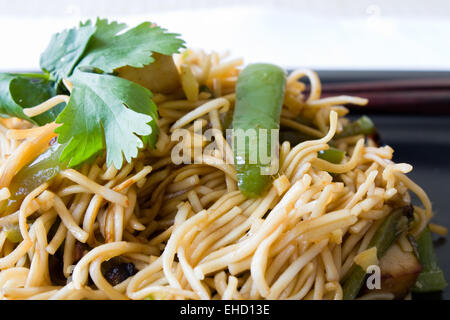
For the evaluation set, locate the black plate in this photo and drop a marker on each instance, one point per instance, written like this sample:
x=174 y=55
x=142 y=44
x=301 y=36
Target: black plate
x=422 y=141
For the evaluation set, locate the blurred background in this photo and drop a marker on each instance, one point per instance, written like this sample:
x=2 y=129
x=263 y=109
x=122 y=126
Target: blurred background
x=322 y=34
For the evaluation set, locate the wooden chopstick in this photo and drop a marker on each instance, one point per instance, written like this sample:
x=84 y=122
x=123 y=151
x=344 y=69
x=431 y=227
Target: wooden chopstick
x=389 y=85
x=427 y=96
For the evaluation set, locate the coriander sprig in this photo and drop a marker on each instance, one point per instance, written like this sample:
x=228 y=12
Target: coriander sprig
x=105 y=112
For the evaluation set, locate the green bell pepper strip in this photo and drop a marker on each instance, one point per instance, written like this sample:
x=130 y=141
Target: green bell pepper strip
x=387 y=233
x=260 y=90
x=44 y=168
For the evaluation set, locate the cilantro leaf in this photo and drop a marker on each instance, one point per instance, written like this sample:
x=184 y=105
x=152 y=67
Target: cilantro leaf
x=65 y=50
x=105 y=110
x=111 y=48
x=19 y=92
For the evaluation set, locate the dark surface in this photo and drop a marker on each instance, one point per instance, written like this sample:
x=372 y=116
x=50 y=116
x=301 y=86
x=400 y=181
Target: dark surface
x=422 y=141
x=331 y=76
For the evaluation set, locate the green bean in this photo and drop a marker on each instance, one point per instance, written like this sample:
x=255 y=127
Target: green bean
x=387 y=233
x=431 y=278
x=260 y=92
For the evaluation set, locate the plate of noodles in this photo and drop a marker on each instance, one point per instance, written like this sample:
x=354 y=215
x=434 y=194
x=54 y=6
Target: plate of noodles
x=133 y=167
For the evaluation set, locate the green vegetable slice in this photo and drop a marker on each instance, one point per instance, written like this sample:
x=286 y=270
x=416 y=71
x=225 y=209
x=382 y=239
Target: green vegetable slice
x=332 y=155
x=43 y=169
x=363 y=126
x=13 y=233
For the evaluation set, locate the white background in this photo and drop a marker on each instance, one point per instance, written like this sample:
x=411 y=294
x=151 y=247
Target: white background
x=333 y=34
